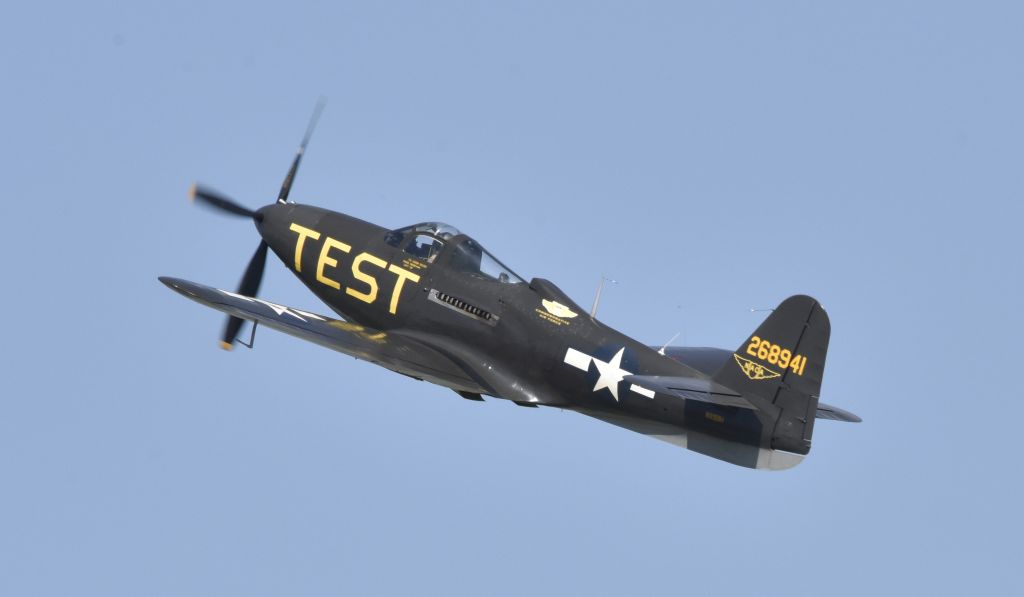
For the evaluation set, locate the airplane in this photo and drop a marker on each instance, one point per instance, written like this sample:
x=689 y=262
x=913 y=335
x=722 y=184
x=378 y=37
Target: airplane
x=429 y=302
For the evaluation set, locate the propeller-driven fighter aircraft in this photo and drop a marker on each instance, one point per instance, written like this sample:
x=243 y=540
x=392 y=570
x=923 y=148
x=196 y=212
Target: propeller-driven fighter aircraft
x=429 y=302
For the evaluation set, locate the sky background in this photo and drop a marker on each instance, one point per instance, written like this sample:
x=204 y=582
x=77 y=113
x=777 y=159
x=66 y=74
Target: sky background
x=712 y=157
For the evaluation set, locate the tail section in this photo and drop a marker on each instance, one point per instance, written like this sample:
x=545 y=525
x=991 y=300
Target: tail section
x=780 y=366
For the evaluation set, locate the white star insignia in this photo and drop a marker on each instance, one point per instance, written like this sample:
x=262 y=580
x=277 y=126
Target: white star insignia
x=279 y=309
x=611 y=373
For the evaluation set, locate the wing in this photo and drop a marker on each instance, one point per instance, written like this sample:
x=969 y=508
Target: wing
x=391 y=350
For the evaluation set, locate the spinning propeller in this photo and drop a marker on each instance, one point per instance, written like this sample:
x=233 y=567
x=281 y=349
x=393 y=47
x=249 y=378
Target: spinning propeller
x=253 y=275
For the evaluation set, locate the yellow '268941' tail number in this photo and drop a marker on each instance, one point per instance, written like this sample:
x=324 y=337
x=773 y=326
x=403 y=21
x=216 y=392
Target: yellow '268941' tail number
x=776 y=355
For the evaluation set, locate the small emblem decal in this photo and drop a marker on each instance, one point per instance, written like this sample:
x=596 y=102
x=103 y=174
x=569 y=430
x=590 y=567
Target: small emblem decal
x=753 y=370
x=554 y=312
x=558 y=309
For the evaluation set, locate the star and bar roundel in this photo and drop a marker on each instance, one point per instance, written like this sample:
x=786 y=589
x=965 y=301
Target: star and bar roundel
x=610 y=372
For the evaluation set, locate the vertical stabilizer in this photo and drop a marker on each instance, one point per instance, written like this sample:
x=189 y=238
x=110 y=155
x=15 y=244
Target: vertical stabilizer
x=783 y=362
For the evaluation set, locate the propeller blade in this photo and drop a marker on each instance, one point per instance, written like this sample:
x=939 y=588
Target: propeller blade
x=218 y=201
x=249 y=286
x=286 y=187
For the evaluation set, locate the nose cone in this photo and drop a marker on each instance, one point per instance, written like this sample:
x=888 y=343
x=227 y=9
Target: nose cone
x=265 y=213
x=278 y=223
x=272 y=223
x=270 y=218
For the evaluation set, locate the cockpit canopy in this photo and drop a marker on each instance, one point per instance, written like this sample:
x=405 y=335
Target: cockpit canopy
x=429 y=240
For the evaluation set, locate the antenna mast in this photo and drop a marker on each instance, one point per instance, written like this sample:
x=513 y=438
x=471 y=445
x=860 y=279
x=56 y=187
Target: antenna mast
x=597 y=297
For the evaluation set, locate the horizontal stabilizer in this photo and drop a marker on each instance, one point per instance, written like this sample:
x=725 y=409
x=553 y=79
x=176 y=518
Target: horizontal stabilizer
x=834 y=413
x=690 y=388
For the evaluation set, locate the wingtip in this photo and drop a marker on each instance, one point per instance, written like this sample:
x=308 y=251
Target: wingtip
x=171 y=282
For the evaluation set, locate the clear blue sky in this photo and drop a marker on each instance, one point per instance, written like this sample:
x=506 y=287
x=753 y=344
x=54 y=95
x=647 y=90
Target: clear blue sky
x=712 y=157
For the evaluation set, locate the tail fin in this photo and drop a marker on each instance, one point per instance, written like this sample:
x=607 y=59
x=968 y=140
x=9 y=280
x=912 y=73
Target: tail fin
x=782 y=363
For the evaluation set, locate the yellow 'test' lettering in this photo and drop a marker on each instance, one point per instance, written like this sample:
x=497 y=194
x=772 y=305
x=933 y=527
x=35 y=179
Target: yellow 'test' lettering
x=329 y=243
x=366 y=297
x=301 y=241
x=325 y=261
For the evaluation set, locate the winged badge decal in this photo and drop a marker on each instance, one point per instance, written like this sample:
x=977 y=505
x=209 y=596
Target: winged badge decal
x=558 y=309
x=753 y=370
